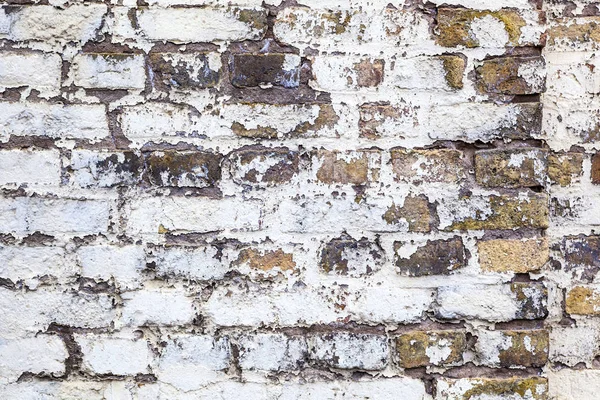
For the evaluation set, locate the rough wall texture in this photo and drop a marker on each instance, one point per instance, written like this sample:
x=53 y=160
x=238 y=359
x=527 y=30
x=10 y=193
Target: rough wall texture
x=322 y=199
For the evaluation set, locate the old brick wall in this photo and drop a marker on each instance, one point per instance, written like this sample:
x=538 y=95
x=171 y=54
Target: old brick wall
x=316 y=199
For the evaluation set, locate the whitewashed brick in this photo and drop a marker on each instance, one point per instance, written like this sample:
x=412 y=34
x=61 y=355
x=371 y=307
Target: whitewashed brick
x=104 y=169
x=115 y=356
x=44 y=354
x=574 y=345
x=182 y=25
x=39 y=71
x=190 y=362
x=124 y=264
x=53 y=120
x=29 y=264
x=30 y=167
x=568 y=384
x=24 y=215
x=62 y=390
x=201 y=263
x=272 y=352
x=157 y=307
x=349 y=351
x=192 y=215
x=109 y=71
x=381 y=389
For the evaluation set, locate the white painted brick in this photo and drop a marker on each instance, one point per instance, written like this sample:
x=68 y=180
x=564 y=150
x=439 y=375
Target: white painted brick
x=182 y=25
x=30 y=167
x=190 y=362
x=43 y=354
x=32 y=263
x=272 y=352
x=103 y=169
x=157 y=307
x=189 y=214
x=201 y=263
x=24 y=215
x=38 y=71
x=30 y=312
x=349 y=351
x=53 y=120
x=568 y=384
x=66 y=390
x=124 y=264
x=77 y=23
x=109 y=71
x=459 y=389
x=115 y=356
x=574 y=345
x=486 y=4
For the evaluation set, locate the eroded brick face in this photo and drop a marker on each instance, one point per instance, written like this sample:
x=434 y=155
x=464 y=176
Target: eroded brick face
x=312 y=199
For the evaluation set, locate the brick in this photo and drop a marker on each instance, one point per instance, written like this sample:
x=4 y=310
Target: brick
x=436 y=257
x=103 y=263
x=105 y=169
x=564 y=169
x=196 y=263
x=25 y=215
x=78 y=121
x=414 y=166
x=109 y=71
x=581 y=255
x=380 y=389
x=30 y=167
x=38 y=71
x=574 y=384
x=387 y=120
x=263 y=165
x=583 y=300
x=45 y=23
x=512 y=348
x=349 y=351
x=157 y=307
x=114 y=356
x=184 y=71
x=534 y=388
x=343 y=73
x=492 y=303
x=574 y=34
x=596 y=169
x=414 y=210
x=485 y=28
x=348 y=256
x=495 y=212
x=195 y=24
x=189 y=362
x=573 y=345
x=251 y=70
x=267 y=261
x=517 y=256
x=511 y=168
x=28 y=313
x=43 y=354
x=427 y=73
x=32 y=264
x=357 y=168
x=183 y=169
x=423 y=348
x=185 y=214
x=272 y=352
x=512 y=75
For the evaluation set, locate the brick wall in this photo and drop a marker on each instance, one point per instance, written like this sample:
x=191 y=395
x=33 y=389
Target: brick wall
x=321 y=199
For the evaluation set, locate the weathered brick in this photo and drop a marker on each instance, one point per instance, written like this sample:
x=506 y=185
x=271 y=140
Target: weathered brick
x=357 y=168
x=344 y=73
x=485 y=28
x=596 y=169
x=424 y=348
x=534 y=388
x=263 y=165
x=414 y=210
x=413 y=166
x=157 y=307
x=195 y=263
x=105 y=169
x=495 y=212
x=109 y=71
x=183 y=169
x=512 y=348
x=248 y=70
x=436 y=257
x=573 y=345
x=113 y=355
x=493 y=303
x=32 y=264
x=272 y=352
x=564 y=168
x=266 y=261
x=349 y=351
x=427 y=73
x=123 y=264
x=383 y=120
x=583 y=300
x=581 y=255
x=511 y=168
x=512 y=75
x=567 y=384
x=348 y=256
x=512 y=255
x=185 y=70
x=39 y=71
x=43 y=355
x=574 y=34
x=30 y=167
x=196 y=24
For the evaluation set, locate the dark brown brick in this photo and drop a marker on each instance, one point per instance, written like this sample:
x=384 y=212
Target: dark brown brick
x=183 y=169
x=348 y=256
x=249 y=70
x=263 y=165
x=183 y=71
x=581 y=254
x=436 y=257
